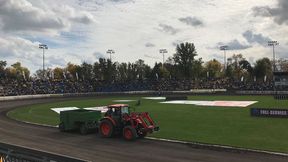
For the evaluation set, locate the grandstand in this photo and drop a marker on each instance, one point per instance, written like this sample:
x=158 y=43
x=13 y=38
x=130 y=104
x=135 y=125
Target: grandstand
x=33 y=87
x=281 y=80
x=107 y=76
x=2 y=90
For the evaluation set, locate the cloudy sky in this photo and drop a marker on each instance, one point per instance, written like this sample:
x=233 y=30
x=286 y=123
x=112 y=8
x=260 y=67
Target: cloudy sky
x=83 y=30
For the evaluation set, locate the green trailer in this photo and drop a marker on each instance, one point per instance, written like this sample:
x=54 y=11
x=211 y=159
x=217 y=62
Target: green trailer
x=81 y=119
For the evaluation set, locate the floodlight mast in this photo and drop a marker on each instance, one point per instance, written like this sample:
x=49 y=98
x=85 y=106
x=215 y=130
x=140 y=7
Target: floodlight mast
x=163 y=52
x=43 y=47
x=273 y=44
x=110 y=51
x=224 y=48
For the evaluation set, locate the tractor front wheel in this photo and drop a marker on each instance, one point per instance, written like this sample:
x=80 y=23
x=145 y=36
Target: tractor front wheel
x=106 y=128
x=129 y=133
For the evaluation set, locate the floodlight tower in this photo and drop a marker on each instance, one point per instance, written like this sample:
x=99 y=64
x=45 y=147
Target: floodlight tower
x=163 y=52
x=224 y=48
x=43 y=47
x=110 y=51
x=273 y=44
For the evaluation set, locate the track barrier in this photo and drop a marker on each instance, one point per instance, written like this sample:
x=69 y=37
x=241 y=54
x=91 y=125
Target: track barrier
x=281 y=97
x=171 y=98
x=13 y=153
x=270 y=113
x=151 y=93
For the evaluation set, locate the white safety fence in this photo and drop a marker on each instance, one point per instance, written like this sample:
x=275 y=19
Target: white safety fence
x=9 y=98
x=162 y=93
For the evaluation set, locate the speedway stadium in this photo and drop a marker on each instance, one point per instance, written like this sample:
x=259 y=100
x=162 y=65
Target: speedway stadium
x=212 y=123
x=143 y=80
x=184 y=111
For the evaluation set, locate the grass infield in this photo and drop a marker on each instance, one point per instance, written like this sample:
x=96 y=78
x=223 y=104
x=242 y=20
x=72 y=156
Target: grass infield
x=214 y=125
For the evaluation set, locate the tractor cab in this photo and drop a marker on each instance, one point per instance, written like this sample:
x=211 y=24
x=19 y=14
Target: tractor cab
x=117 y=110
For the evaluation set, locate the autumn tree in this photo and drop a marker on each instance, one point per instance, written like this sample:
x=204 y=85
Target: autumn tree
x=238 y=67
x=283 y=65
x=72 y=69
x=21 y=72
x=213 y=68
x=58 y=73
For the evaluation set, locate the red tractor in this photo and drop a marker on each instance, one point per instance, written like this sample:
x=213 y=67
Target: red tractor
x=118 y=120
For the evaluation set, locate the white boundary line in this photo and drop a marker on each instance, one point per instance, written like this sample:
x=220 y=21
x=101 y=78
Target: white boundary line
x=31 y=123
x=220 y=147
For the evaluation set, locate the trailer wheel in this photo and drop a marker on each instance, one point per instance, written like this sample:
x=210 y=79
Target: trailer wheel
x=129 y=133
x=61 y=127
x=106 y=128
x=83 y=129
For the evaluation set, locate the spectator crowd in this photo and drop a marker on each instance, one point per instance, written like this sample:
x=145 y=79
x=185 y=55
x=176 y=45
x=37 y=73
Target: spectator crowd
x=14 y=88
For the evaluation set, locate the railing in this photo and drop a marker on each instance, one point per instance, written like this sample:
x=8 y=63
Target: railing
x=194 y=91
x=12 y=153
x=191 y=92
x=261 y=92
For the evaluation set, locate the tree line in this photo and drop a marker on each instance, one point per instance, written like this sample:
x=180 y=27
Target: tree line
x=183 y=65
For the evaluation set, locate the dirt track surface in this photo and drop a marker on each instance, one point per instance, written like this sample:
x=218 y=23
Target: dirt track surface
x=95 y=148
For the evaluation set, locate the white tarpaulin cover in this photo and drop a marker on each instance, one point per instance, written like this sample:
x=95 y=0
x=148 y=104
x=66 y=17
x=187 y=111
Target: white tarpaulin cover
x=123 y=100
x=103 y=109
x=213 y=103
x=58 y=110
x=154 y=98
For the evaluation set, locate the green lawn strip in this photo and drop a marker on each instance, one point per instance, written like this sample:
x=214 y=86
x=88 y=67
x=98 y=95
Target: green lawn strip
x=214 y=125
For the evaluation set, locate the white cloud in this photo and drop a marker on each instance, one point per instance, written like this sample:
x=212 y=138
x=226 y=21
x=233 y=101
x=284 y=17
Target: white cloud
x=279 y=13
x=192 y=21
x=256 y=38
x=72 y=14
x=129 y=27
x=234 y=45
x=167 y=29
x=20 y=15
x=98 y=55
x=15 y=49
x=149 y=45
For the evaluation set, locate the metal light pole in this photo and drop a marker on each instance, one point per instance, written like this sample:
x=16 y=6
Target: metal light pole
x=43 y=47
x=273 y=44
x=110 y=51
x=224 y=48
x=163 y=51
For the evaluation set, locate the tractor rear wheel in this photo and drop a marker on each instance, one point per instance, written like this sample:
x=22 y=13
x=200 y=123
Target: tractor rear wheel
x=129 y=133
x=106 y=128
x=83 y=129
